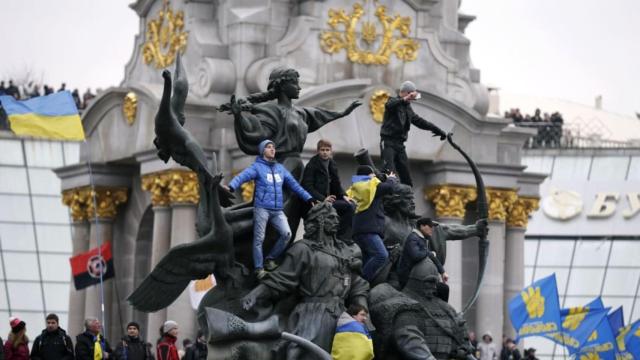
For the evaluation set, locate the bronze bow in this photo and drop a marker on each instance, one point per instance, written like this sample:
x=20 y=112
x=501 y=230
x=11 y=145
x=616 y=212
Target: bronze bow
x=483 y=214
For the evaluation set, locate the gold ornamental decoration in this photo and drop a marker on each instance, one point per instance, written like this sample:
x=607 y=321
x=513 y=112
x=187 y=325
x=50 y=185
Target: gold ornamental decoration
x=130 y=107
x=521 y=210
x=376 y=104
x=500 y=201
x=404 y=48
x=159 y=185
x=81 y=203
x=450 y=200
x=183 y=187
x=165 y=37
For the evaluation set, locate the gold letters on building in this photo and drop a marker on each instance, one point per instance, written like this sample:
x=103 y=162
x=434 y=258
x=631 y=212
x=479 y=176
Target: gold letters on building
x=403 y=47
x=172 y=187
x=377 y=102
x=130 y=107
x=165 y=37
x=81 y=203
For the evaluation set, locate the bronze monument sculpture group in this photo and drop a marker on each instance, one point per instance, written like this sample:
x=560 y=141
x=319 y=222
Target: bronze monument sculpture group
x=292 y=311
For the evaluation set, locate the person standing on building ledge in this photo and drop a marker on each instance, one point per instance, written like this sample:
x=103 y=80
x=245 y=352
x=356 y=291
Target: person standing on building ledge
x=398 y=117
x=268 y=199
x=53 y=343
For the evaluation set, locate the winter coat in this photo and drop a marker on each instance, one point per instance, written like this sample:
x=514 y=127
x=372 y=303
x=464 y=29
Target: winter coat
x=415 y=249
x=197 y=351
x=318 y=182
x=16 y=353
x=130 y=348
x=351 y=341
x=488 y=351
x=368 y=193
x=398 y=117
x=166 y=348
x=85 y=346
x=52 y=345
x=269 y=176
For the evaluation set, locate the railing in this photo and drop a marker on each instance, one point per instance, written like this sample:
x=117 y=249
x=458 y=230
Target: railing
x=569 y=136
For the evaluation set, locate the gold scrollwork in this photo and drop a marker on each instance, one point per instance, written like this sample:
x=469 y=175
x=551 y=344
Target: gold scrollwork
x=130 y=107
x=184 y=187
x=403 y=47
x=521 y=210
x=500 y=201
x=376 y=104
x=165 y=37
x=81 y=202
x=450 y=200
x=159 y=185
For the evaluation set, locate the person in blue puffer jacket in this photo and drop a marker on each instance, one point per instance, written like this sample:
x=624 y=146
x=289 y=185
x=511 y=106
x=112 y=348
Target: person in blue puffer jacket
x=268 y=199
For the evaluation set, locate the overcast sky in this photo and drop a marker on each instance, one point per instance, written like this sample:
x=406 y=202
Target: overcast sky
x=568 y=49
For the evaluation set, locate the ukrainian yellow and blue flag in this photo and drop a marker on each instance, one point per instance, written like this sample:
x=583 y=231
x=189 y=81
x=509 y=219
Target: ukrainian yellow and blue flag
x=536 y=310
x=53 y=116
x=351 y=341
x=363 y=191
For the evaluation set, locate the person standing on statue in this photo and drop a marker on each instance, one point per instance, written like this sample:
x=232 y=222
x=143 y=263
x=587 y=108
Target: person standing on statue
x=319 y=270
x=282 y=121
x=398 y=117
x=416 y=248
x=368 y=222
x=268 y=197
x=322 y=181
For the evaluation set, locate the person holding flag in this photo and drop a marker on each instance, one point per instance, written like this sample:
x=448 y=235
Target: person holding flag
x=91 y=344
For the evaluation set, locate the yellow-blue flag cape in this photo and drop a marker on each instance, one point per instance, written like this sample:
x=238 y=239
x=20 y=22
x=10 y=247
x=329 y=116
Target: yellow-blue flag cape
x=53 y=116
x=363 y=191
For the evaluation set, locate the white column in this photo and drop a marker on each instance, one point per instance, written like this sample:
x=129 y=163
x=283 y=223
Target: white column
x=159 y=248
x=102 y=229
x=513 y=272
x=183 y=230
x=453 y=266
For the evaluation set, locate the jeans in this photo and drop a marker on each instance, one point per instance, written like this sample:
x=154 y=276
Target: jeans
x=374 y=254
x=278 y=220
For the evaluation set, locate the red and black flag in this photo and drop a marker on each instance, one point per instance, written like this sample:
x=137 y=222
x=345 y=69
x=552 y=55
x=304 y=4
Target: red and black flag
x=87 y=267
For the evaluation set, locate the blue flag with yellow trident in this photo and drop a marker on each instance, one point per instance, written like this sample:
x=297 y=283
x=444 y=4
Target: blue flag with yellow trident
x=601 y=344
x=52 y=116
x=628 y=342
x=578 y=323
x=536 y=310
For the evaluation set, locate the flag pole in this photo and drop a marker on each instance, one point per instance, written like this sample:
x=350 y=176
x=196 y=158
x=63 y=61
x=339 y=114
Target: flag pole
x=98 y=237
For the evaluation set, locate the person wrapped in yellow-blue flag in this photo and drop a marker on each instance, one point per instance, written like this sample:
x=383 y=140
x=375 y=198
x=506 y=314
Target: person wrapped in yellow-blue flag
x=53 y=116
x=352 y=340
x=368 y=222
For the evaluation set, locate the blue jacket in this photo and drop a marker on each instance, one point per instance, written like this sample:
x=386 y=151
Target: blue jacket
x=269 y=176
x=416 y=248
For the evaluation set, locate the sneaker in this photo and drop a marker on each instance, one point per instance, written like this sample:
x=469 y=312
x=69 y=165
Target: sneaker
x=270 y=265
x=260 y=273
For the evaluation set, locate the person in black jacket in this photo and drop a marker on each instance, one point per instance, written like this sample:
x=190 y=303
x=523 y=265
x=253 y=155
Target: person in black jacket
x=53 y=343
x=398 y=117
x=132 y=347
x=368 y=222
x=416 y=248
x=197 y=351
x=86 y=342
x=321 y=180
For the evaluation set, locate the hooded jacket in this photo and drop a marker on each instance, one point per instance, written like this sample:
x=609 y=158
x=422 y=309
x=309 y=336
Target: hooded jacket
x=368 y=193
x=270 y=177
x=398 y=117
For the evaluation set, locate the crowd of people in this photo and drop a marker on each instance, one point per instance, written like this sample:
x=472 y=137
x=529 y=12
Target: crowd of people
x=486 y=349
x=31 y=89
x=549 y=127
x=54 y=343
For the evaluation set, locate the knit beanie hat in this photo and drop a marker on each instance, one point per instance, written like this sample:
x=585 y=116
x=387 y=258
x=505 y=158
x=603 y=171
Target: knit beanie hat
x=263 y=145
x=364 y=170
x=16 y=324
x=134 y=324
x=408 y=86
x=169 y=325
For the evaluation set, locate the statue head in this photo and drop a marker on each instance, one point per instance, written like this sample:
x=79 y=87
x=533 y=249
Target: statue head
x=400 y=203
x=321 y=222
x=284 y=80
x=423 y=279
